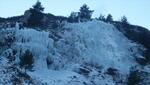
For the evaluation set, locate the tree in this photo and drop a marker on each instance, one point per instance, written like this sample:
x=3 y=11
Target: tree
x=35 y=18
x=26 y=60
x=74 y=17
x=109 y=18
x=38 y=7
x=102 y=17
x=124 y=20
x=85 y=13
x=35 y=15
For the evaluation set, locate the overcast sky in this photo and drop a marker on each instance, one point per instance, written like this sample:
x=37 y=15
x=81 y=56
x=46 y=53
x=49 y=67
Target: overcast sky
x=137 y=11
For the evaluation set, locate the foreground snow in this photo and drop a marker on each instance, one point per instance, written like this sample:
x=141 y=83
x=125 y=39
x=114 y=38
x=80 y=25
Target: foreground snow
x=81 y=56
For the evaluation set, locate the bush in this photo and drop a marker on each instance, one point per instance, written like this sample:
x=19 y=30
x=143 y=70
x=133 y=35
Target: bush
x=26 y=60
x=49 y=61
x=134 y=78
x=112 y=71
x=7 y=38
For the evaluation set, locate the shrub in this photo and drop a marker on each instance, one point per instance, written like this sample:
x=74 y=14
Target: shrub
x=7 y=38
x=26 y=60
x=134 y=78
x=49 y=61
x=112 y=71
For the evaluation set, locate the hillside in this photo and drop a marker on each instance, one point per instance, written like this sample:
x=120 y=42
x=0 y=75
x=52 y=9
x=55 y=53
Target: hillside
x=87 y=53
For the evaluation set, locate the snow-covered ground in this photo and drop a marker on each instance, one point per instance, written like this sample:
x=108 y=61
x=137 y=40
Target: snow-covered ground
x=81 y=56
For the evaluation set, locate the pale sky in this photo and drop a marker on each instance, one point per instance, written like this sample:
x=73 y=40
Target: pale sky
x=137 y=11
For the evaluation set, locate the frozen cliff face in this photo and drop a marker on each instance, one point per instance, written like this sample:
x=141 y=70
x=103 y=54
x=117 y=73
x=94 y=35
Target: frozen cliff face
x=88 y=53
x=99 y=43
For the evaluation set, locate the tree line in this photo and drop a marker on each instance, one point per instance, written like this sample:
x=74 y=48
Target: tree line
x=84 y=14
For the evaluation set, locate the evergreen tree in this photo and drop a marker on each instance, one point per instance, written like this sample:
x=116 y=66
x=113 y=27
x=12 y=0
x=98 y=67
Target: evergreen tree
x=35 y=18
x=102 y=17
x=124 y=20
x=36 y=15
x=109 y=18
x=26 y=60
x=38 y=7
x=74 y=16
x=85 y=13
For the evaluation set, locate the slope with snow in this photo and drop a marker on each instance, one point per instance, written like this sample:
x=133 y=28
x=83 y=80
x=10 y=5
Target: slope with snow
x=81 y=56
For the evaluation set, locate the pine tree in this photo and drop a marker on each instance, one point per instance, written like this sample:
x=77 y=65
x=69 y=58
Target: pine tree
x=74 y=16
x=38 y=7
x=85 y=13
x=102 y=17
x=36 y=15
x=109 y=18
x=124 y=20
